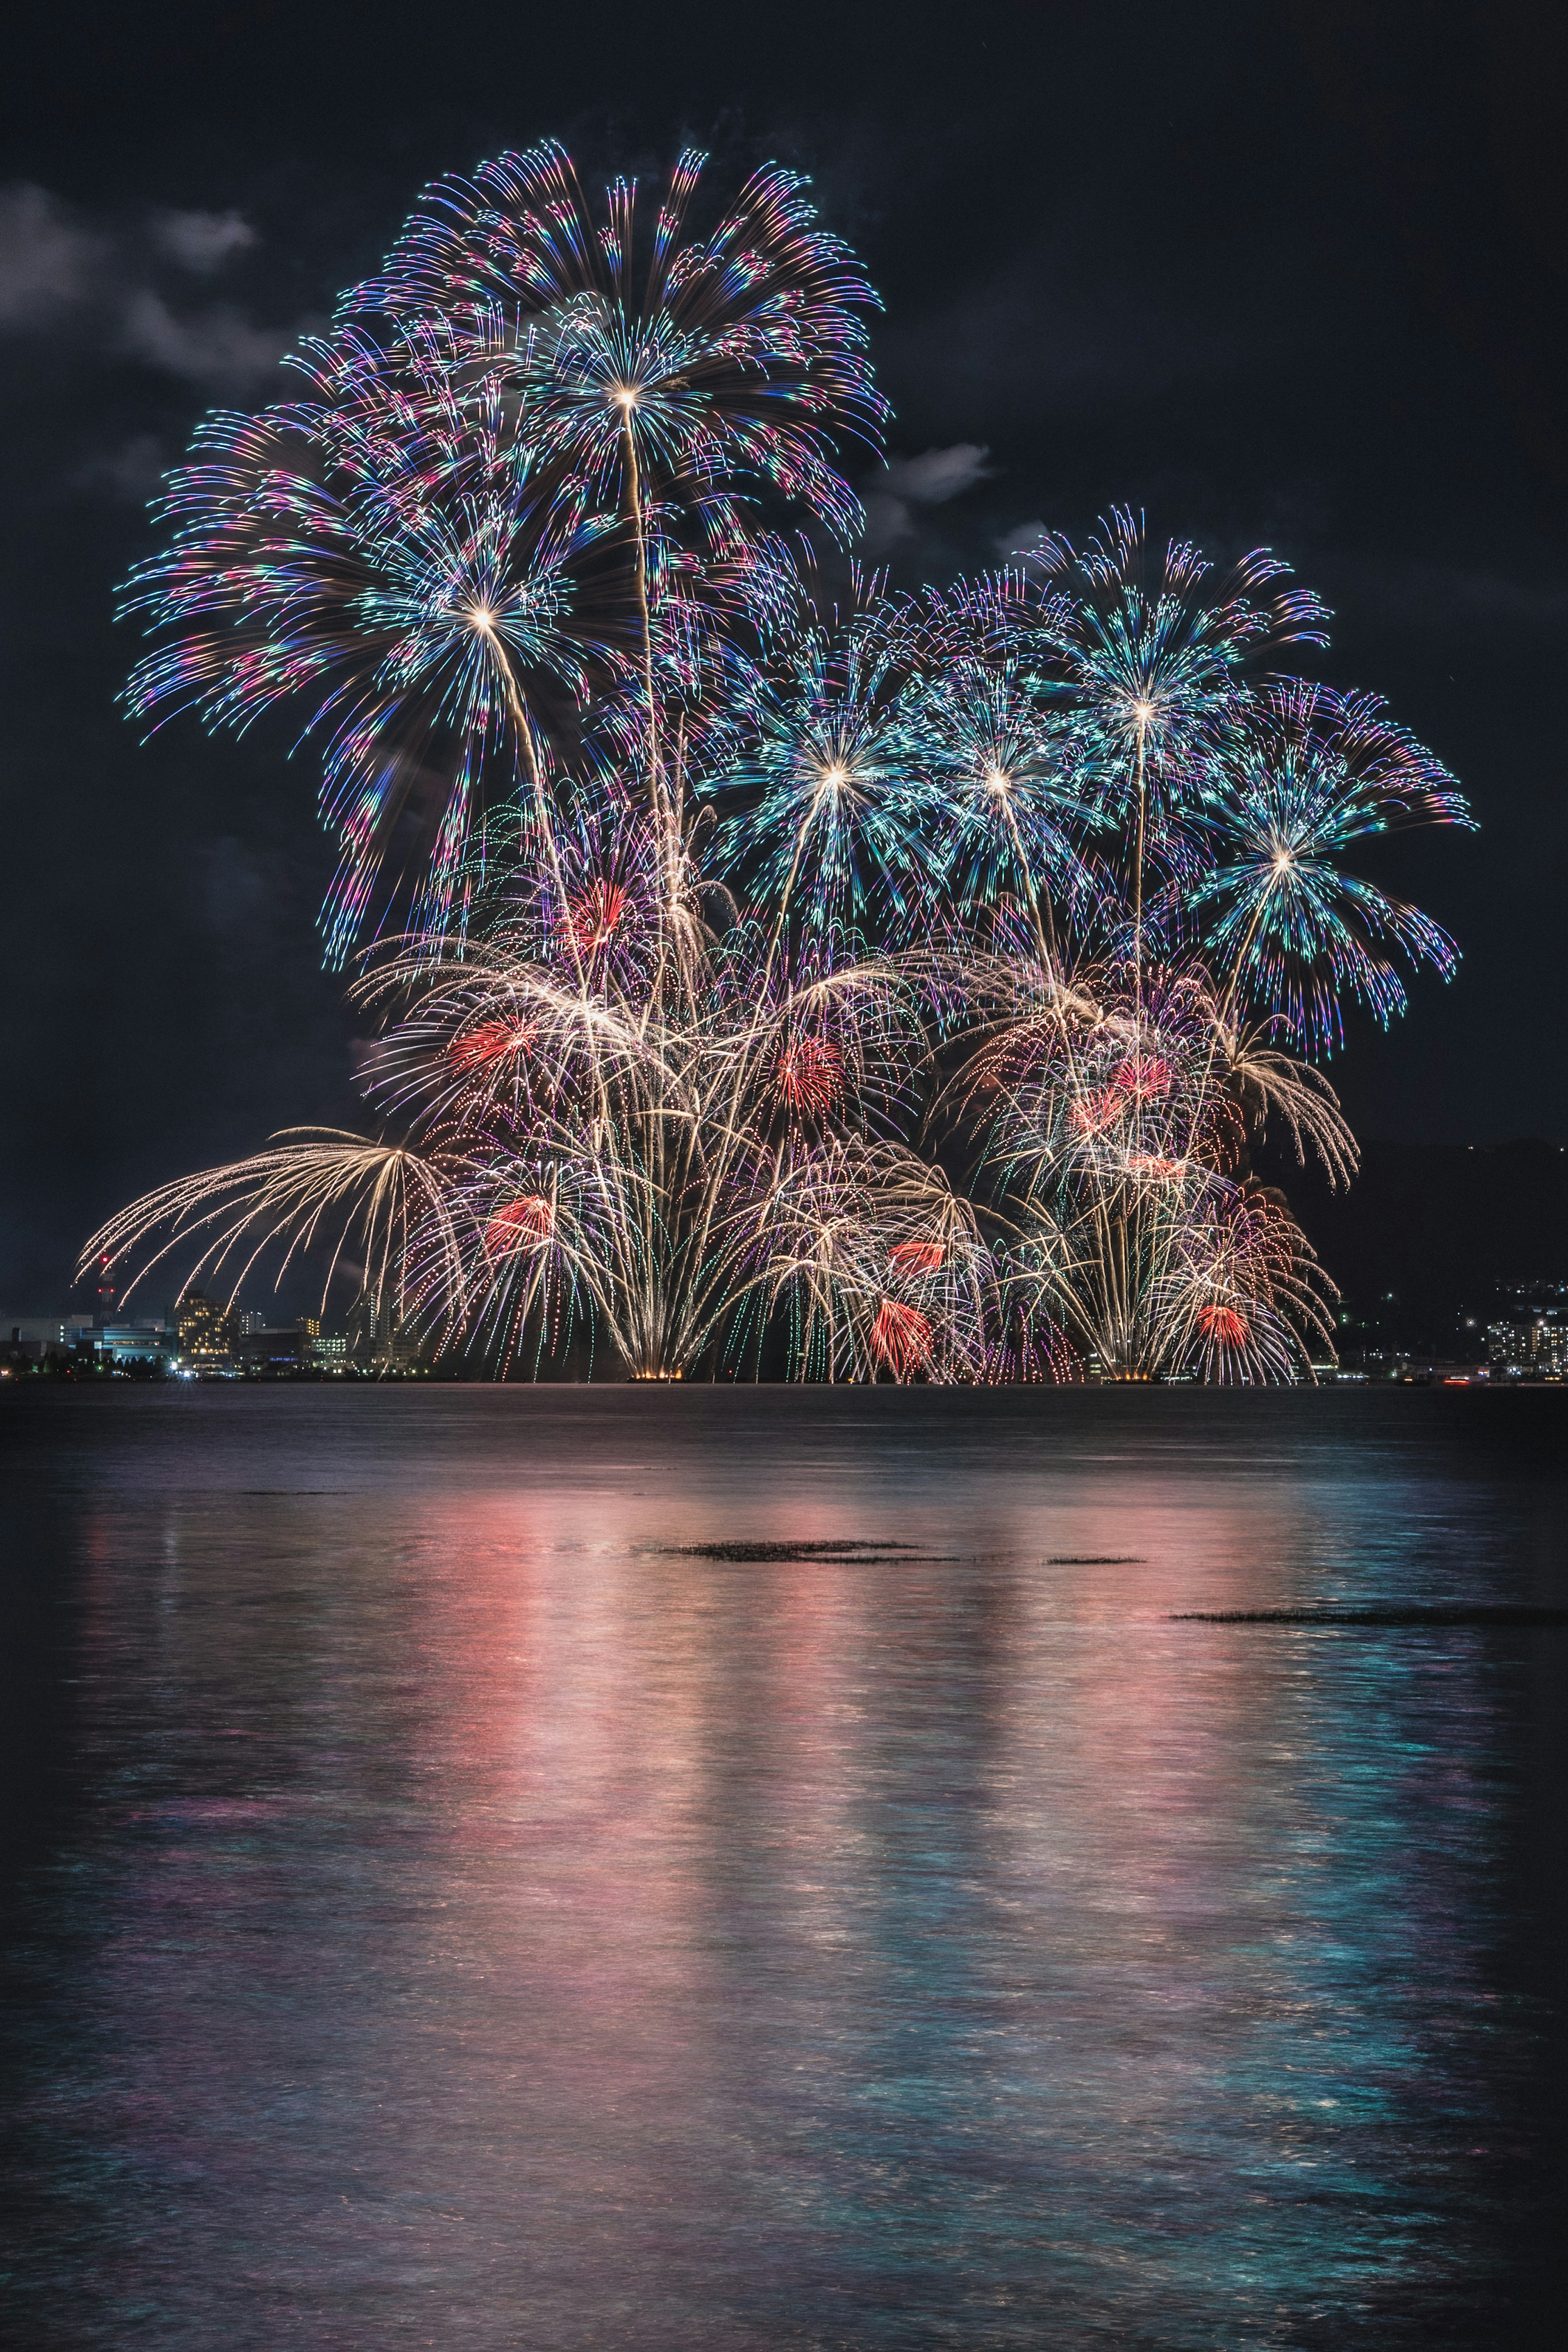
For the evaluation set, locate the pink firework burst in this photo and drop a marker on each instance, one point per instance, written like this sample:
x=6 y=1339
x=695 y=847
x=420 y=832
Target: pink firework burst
x=492 y=1041
x=1092 y=1114
x=1145 y=1077
x=918 y=1257
x=594 y=916
x=519 y=1224
x=810 y=1074
x=900 y=1337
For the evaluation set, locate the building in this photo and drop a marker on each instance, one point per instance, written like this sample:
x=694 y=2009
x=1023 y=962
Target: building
x=380 y=1340
x=36 y=1338
x=145 y=1341
x=368 y=1326
x=44 y=1335
x=1527 y=1331
x=267 y=1354
x=207 y=1333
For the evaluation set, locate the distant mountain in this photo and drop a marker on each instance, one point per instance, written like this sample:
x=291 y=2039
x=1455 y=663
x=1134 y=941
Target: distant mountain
x=1428 y=1230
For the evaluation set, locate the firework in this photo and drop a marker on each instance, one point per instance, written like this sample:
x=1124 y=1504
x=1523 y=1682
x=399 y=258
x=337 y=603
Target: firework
x=1004 y=769
x=1148 y=660
x=1120 y=1112
x=835 y=824
x=650 y=352
x=389 y=553
x=738 y=928
x=1301 y=775
x=671 y=368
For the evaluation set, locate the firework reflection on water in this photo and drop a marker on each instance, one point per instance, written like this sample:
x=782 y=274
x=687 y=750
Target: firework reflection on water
x=476 y=1912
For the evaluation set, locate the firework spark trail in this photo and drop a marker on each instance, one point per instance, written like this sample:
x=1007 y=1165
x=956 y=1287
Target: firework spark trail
x=725 y=914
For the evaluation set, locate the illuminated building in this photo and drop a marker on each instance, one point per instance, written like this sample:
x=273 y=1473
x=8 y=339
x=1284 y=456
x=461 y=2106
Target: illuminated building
x=207 y=1332
x=1529 y=1340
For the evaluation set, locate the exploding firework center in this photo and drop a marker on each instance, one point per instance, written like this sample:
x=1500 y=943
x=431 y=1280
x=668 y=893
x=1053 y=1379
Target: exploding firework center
x=594 y=916
x=810 y=1074
x=1146 y=1077
x=1092 y=1114
x=998 y=781
x=900 y=1337
x=1223 y=1324
x=518 y=1224
x=918 y=1257
x=491 y=1042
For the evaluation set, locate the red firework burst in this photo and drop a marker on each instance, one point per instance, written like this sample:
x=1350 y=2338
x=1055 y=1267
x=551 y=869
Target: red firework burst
x=1092 y=1114
x=594 y=916
x=491 y=1042
x=519 y=1223
x=1224 y=1324
x=810 y=1074
x=1145 y=1077
x=918 y=1257
x=1159 y=1171
x=900 y=1337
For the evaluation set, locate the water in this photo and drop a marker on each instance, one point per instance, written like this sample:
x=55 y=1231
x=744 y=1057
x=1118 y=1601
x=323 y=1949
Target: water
x=446 y=1912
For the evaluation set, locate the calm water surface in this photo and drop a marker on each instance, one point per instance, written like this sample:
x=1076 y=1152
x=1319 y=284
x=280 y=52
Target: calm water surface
x=446 y=1912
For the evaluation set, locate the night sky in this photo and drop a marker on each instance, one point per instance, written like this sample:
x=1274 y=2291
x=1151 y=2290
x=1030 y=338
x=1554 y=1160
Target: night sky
x=1292 y=276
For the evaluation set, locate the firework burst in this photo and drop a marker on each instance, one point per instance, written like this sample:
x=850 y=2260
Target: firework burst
x=649 y=352
x=435 y=593
x=1301 y=775
x=738 y=936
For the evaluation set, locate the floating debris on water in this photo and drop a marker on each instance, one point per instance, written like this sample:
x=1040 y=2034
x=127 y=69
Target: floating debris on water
x=1438 y=1614
x=834 y=1550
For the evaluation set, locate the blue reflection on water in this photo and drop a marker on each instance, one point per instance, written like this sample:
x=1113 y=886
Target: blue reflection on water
x=474 y=1918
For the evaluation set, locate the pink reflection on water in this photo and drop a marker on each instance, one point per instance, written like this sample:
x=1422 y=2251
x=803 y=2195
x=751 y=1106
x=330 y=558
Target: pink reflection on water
x=505 y=1914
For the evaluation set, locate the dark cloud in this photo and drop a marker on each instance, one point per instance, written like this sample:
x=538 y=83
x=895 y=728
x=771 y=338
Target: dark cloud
x=217 y=349
x=906 y=484
x=131 y=471
x=62 y=272
x=48 y=260
x=203 y=242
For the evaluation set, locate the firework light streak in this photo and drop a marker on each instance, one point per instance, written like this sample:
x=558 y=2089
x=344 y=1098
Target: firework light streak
x=718 y=942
